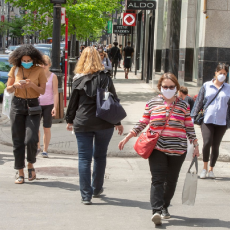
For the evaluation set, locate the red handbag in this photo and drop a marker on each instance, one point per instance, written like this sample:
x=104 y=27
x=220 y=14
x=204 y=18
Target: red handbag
x=146 y=142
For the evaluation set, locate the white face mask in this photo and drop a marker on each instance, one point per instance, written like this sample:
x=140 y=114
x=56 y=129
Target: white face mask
x=168 y=93
x=221 y=77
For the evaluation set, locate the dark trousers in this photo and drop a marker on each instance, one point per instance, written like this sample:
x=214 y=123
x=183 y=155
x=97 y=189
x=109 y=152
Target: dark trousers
x=24 y=129
x=114 y=64
x=212 y=136
x=92 y=144
x=165 y=171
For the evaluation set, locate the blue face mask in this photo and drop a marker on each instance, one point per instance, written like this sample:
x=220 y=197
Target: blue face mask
x=27 y=65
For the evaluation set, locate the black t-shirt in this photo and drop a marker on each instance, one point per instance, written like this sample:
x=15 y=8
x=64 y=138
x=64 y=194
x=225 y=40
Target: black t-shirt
x=190 y=101
x=114 y=53
x=128 y=51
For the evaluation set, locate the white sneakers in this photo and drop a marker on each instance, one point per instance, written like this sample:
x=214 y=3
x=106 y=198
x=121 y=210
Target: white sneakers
x=204 y=173
x=211 y=175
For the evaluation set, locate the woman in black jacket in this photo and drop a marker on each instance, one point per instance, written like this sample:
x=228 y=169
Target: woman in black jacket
x=93 y=134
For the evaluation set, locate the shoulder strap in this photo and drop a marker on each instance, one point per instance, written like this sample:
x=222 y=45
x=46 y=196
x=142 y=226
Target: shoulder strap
x=115 y=53
x=16 y=71
x=169 y=115
x=107 y=61
x=214 y=98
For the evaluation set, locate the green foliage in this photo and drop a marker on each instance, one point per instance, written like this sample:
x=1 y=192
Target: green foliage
x=16 y=26
x=87 y=18
x=3 y=27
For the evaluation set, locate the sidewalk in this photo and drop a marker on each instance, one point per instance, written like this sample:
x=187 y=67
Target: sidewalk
x=133 y=93
x=52 y=201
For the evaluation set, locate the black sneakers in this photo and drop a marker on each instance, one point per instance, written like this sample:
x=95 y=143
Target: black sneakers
x=95 y=195
x=165 y=214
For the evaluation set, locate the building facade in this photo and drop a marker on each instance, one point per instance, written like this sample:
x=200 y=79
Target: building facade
x=188 y=38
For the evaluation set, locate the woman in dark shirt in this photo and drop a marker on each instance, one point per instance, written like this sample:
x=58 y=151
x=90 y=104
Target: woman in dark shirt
x=93 y=134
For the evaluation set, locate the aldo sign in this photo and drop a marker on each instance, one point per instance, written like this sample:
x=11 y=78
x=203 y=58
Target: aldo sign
x=141 y=5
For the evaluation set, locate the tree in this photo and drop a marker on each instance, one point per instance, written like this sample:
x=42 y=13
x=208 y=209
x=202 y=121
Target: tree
x=87 y=18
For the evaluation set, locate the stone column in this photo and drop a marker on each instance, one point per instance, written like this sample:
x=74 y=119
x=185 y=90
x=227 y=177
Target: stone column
x=187 y=40
x=214 y=37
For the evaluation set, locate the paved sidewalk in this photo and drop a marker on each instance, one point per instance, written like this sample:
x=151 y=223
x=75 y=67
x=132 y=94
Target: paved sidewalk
x=133 y=93
x=52 y=202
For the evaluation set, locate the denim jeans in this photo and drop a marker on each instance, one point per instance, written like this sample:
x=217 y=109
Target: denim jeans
x=165 y=171
x=92 y=144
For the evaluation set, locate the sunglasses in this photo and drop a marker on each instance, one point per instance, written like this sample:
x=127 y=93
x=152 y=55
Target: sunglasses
x=168 y=87
x=102 y=55
x=46 y=64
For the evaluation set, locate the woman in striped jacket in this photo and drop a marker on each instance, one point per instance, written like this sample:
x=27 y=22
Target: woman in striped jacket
x=168 y=156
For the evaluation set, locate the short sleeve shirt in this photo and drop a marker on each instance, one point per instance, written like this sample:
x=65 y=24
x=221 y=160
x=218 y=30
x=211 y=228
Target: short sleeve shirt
x=36 y=74
x=128 y=51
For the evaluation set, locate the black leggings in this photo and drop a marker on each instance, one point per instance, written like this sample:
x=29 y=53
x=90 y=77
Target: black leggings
x=114 y=64
x=212 y=136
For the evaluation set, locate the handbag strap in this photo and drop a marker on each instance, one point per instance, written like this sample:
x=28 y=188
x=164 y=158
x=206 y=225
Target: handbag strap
x=192 y=163
x=98 y=82
x=213 y=98
x=169 y=115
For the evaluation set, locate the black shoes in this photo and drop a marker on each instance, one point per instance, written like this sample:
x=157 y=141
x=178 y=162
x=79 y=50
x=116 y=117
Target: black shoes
x=86 y=202
x=165 y=214
x=95 y=195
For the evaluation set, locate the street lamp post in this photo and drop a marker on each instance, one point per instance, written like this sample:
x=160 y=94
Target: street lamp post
x=55 y=68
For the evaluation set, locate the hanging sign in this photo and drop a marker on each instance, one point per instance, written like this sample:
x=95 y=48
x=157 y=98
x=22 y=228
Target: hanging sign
x=63 y=15
x=109 y=27
x=141 y=5
x=129 y=19
x=118 y=29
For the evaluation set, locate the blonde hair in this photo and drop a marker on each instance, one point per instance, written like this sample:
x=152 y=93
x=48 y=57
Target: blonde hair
x=47 y=58
x=89 y=62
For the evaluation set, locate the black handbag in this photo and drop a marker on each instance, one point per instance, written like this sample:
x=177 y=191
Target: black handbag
x=198 y=120
x=108 y=106
x=36 y=110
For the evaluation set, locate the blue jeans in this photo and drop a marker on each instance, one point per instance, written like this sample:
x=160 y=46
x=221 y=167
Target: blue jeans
x=92 y=144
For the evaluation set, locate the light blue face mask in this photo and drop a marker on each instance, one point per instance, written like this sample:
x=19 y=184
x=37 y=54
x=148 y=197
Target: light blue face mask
x=27 y=65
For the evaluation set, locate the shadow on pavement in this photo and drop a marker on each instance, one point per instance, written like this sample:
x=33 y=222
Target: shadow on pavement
x=123 y=202
x=134 y=97
x=56 y=184
x=5 y=158
x=195 y=222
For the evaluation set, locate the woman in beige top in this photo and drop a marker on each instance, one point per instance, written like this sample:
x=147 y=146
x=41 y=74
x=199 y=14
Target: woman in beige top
x=27 y=80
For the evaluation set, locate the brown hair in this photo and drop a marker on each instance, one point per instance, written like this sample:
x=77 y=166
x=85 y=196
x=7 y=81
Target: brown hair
x=184 y=90
x=169 y=76
x=102 y=52
x=221 y=66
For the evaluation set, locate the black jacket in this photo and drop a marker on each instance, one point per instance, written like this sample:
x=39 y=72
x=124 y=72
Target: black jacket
x=82 y=106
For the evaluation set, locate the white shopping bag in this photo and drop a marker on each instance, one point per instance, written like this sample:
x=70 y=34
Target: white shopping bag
x=190 y=151
x=6 y=104
x=7 y=99
x=190 y=185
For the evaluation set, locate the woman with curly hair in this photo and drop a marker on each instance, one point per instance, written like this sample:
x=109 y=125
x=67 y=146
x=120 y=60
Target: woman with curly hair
x=93 y=134
x=27 y=81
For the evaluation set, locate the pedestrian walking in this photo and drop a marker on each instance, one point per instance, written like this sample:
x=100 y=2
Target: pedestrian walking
x=49 y=104
x=120 y=47
x=27 y=80
x=93 y=134
x=128 y=54
x=183 y=94
x=114 y=55
x=168 y=156
x=214 y=100
x=105 y=62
